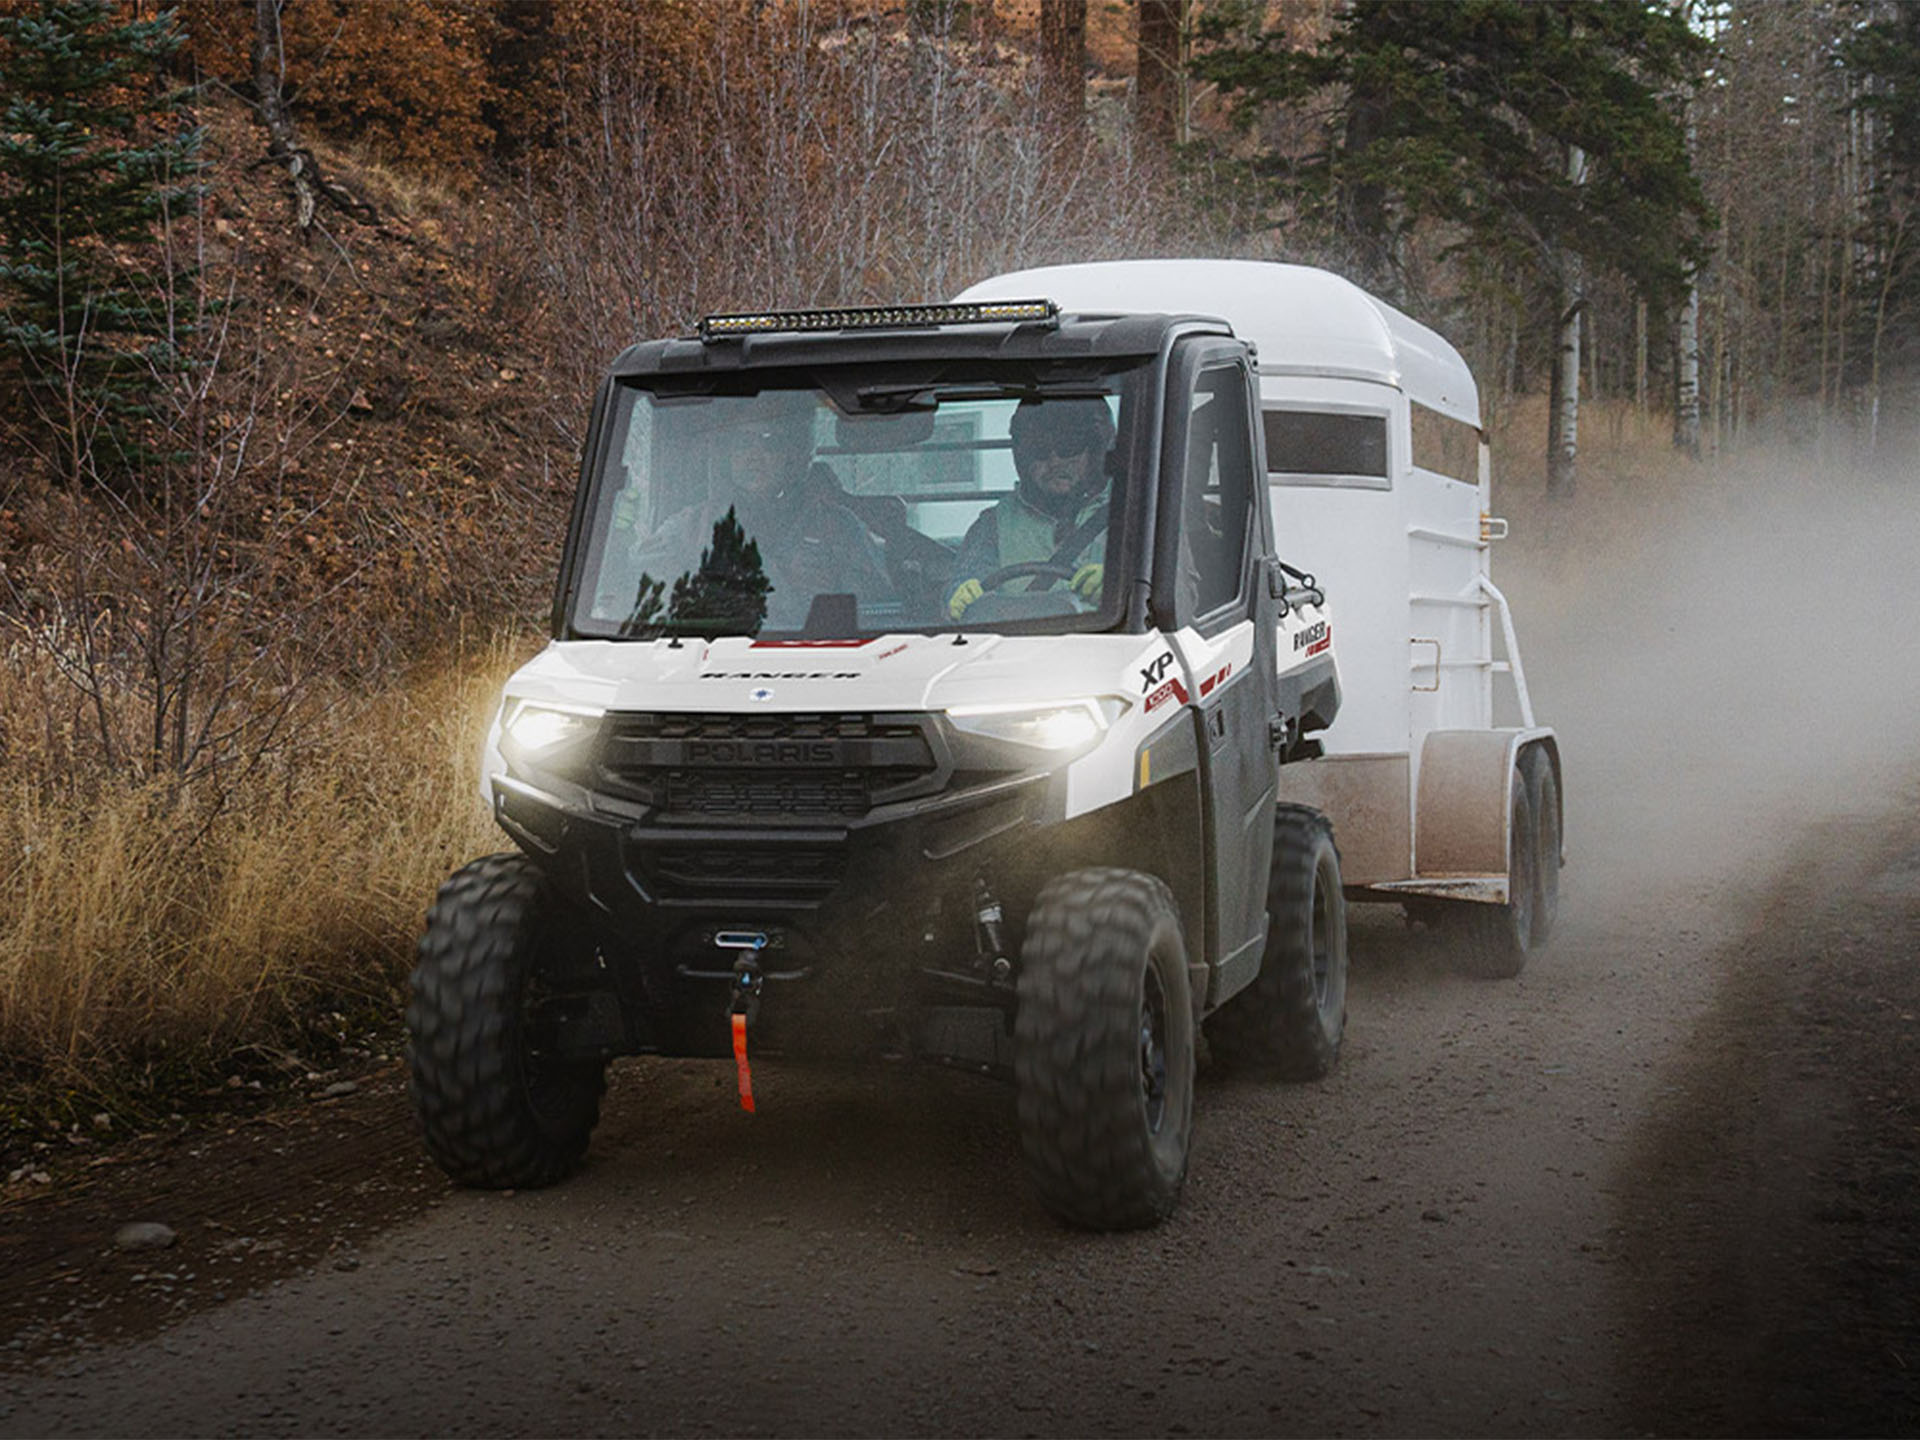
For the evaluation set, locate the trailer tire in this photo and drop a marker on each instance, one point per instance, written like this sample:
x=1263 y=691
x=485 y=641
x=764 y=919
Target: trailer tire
x=1543 y=792
x=1103 y=1049
x=1290 y=1021
x=1493 y=941
x=494 y=1111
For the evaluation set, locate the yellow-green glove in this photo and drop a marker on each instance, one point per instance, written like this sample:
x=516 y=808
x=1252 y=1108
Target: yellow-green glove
x=628 y=508
x=1086 y=582
x=968 y=592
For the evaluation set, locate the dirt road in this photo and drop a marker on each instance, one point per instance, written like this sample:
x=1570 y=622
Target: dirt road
x=1664 y=1181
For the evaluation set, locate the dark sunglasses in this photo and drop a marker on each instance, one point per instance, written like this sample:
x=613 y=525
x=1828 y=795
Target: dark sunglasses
x=1058 y=447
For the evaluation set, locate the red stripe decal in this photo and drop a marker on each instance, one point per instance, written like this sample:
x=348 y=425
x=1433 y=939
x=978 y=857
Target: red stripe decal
x=812 y=644
x=1206 y=685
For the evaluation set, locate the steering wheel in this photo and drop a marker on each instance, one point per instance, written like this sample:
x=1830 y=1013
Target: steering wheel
x=1007 y=574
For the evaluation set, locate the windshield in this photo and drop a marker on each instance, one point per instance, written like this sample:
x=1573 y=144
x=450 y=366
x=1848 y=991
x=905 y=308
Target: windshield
x=852 y=505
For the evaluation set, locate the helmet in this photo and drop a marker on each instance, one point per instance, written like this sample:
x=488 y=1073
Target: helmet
x=1066 y=426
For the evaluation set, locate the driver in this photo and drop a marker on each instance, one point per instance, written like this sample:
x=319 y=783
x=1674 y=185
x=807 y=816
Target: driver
x=1059 y=505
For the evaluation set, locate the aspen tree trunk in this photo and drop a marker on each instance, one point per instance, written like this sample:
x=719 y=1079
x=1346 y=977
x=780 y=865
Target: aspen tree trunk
x=1563 y=432
x=1686 y=368
x=1686 y=398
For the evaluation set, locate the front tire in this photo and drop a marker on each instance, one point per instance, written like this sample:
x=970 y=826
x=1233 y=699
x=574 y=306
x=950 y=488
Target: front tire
x=1290 y=1021
x=1104 y=1043
x=497 y=1110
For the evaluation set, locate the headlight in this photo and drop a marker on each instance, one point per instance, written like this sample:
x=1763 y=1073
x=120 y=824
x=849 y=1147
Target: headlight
x=1067 y=725
x=534 y=729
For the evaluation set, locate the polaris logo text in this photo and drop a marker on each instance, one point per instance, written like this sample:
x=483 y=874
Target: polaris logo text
x=759 y=752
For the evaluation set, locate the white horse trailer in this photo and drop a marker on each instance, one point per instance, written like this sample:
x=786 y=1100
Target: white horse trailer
x=1379 y=480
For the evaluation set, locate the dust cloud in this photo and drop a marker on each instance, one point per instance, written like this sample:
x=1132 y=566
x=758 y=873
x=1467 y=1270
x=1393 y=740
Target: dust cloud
x=1729 y=653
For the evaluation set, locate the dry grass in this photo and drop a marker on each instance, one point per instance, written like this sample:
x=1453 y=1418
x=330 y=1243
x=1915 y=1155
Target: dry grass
x=143 y=936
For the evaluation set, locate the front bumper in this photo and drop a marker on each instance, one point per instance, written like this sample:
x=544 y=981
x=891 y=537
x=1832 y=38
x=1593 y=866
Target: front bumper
x=867 y=923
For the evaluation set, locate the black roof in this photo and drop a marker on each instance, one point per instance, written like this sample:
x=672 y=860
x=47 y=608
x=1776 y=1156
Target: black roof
x=1071 y=337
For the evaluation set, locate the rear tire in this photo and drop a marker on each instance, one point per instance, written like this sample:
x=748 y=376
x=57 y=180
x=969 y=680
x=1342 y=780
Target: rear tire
x=1290 y=1021
x=1543 y=791
x=1104 y=1043
x=1494 y=941
x=496 y=1111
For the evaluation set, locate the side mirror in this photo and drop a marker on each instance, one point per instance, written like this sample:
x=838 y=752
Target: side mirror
x=1276 y=581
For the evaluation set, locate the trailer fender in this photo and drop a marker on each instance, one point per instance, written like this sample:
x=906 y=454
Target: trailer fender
x=1465 y=799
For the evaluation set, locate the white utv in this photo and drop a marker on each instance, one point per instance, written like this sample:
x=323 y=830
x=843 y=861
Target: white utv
x=921 y=684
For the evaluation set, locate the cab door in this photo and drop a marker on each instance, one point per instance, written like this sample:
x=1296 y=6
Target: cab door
x=1210 y=596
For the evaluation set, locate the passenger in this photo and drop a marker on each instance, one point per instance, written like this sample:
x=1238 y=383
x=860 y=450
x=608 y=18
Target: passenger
x=808 y=542
x=1060 y=450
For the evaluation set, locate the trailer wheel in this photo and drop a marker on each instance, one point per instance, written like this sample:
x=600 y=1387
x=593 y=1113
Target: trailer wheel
x=1104 y=1043
x=1493 y=941
x=1543 y=792
x=497 y=1111
x=1289 y=1022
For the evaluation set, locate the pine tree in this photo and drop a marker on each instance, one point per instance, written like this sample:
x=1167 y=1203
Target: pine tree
x=728 y=594
x=1537 y=131
x=98 y=157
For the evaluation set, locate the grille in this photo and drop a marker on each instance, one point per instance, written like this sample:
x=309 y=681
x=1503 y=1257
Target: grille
x=803 y=767
x=700 y=793
x=800 y=873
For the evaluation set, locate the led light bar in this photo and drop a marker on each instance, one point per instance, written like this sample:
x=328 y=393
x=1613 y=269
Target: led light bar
x=878 y=317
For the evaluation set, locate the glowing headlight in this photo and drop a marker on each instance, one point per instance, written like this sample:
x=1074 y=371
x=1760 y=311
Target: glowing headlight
x=534 y=728
x=1069 y=725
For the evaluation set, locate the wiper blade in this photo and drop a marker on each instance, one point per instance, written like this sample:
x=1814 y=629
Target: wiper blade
x=894 y=399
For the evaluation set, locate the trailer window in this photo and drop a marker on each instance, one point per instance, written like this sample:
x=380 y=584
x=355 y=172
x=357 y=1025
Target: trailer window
x=1444 y=445
x=1325 y=447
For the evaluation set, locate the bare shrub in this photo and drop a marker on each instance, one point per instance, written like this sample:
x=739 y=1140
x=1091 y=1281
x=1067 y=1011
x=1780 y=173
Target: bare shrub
x=144 y=937
x=805 y=158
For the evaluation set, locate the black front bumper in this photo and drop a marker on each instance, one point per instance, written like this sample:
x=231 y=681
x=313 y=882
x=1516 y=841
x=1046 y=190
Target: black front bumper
x=867 y=922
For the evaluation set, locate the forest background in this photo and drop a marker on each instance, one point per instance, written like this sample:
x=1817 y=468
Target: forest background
x=302 y=303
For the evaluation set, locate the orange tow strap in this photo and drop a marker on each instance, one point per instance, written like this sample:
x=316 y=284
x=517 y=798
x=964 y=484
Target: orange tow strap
x=740 y=1062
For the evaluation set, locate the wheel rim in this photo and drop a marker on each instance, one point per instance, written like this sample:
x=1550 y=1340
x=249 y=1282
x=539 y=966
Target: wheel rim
x=1153 y=1050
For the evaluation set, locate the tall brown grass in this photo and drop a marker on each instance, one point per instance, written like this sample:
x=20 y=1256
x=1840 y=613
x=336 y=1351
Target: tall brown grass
x=147 y=934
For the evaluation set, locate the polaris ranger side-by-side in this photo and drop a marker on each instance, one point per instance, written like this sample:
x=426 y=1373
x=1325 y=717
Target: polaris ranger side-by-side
x=922 y=684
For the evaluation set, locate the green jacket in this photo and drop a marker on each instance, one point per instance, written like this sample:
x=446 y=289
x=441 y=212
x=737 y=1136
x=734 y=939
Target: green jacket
x=1016 y=533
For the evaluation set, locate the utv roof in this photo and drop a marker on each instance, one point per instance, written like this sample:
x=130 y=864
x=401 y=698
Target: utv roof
x=1303 y=321
x=812 y=342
